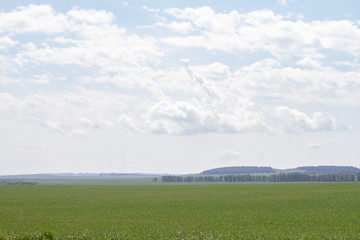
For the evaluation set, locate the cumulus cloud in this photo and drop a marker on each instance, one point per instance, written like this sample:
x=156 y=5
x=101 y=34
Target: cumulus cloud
x=43 y=18
x=6 y=42
x=42 y=79
x=309 y=63
x=205 y=17
x=263 y=30
x=99 y=17
x=181 y=118
x=313 y=84
x=68 y=112
x=110 y=50
x=215 y=71
x=33 y=18
x=292 y=120
x=179 y=27
x=93 y=39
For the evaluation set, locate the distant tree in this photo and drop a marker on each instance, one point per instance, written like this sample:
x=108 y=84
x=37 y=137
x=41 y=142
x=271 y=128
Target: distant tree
x=329 y=169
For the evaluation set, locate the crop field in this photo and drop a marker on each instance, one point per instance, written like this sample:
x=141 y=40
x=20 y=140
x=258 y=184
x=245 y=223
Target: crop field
x=181 y=211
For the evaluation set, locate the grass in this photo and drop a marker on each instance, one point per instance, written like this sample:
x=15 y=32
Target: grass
x=183 y=211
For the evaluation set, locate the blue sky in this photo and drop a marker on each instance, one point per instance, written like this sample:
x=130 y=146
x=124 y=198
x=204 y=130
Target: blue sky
x=178 y=86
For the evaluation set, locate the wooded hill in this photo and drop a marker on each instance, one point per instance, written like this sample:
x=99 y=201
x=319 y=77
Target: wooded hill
x=270 y=170
x=239 y=170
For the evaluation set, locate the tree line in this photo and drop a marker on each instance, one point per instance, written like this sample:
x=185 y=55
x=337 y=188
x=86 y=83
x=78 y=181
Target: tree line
x=282 y=177
x=17 y=183
x=329 y=169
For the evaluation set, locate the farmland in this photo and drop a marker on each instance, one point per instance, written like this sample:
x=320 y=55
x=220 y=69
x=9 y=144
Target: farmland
x=182 y=211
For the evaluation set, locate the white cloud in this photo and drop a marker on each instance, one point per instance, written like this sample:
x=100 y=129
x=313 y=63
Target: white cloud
x=92 y=39
x=185 y=100
x=263 y=30
x=181 y=118
x=228 y=155
x=68 y=112
x=6 y=42
x=313 y=84
x=33 y=18
x=205 y=17
x=180 y=27
x=8 y=80
x=98 y=17
x=351 y=64
x=110 y=50
x=292 y=120
x=127 y=125
x=146 y=8
x=284 y=2
x=202 y=113
x=214 y=71
x=8 y=102
x=42 y=79
x=121 y=113
x=42 y=18
x=309 y=63
x=134 y=92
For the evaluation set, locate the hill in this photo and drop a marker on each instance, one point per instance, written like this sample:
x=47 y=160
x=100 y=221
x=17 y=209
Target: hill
x=239 y=170
x=266 y=170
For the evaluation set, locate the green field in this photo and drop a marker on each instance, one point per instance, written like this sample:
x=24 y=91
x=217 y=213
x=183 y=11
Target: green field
x=183 y=211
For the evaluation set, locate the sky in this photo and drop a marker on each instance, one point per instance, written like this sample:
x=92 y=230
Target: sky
x=178 y=86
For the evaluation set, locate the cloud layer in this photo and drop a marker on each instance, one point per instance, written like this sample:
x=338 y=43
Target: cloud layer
x=81 y=70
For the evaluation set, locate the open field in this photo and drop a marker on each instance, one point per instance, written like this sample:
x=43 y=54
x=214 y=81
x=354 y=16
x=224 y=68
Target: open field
x=48 y=179
x=188 y=211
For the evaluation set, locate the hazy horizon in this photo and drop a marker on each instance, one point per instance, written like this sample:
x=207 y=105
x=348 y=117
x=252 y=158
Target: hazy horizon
x=178 y=87
x=147 y=174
